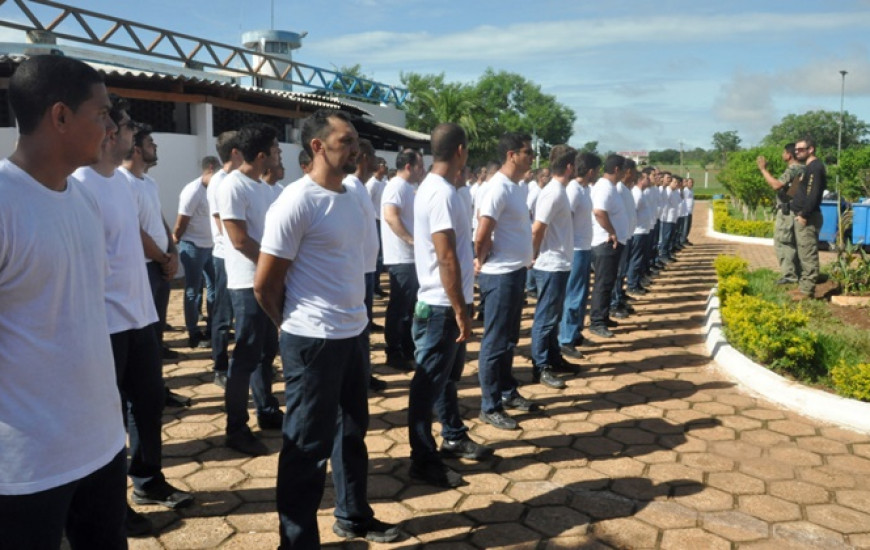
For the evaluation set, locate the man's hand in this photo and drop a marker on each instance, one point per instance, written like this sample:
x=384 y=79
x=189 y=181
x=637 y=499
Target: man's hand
x=761 y=162
x=612 y=238
x=170 y=266
x=477 y=266
x=801 y=220
x=463 y=320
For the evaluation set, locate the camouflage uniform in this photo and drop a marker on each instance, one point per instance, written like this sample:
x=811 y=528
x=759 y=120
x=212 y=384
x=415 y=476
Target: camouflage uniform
x=783 y=229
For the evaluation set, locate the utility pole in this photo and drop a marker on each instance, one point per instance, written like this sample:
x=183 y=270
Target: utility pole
x=840 y=235
x=681 y=157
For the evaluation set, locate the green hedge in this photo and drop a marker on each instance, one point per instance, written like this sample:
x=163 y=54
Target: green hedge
x=724 y=223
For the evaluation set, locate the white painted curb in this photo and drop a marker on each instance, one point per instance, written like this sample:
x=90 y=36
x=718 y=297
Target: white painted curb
x=763 y=382
x=733 y=238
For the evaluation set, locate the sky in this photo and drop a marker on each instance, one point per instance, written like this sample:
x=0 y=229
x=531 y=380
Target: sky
x=639 y=75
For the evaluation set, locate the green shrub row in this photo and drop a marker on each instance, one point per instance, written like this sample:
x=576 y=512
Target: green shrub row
x=723 y=222
x=778 y=335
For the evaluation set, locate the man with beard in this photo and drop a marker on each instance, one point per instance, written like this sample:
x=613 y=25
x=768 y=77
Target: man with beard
x=808 y=216
x=311 y=249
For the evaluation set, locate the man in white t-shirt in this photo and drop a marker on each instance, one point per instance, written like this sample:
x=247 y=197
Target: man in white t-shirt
x=670 y=215
x=609 y=235
x=310 y=282
x=65 y=475
x=689 y=199
x=503 y=252
x=161 y=255
x=397 y=238
x=192 y=236
x=577 y=289
x=553 y=252
x=619 y=307
x=243 y=200
x=442 y=317
x=222 y=311
x=132 y=322
x=541 y=177
x=640 y=239
x=375 y=188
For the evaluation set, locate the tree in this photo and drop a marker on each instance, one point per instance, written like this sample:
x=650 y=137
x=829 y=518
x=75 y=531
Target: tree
x=667 y=156
x=498 y=102
x=743 y=180
x=725 y=143
x=854 y=173
x=824 y=127
x=590 y=147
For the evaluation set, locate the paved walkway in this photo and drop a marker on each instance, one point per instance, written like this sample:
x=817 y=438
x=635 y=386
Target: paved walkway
x=647 y=448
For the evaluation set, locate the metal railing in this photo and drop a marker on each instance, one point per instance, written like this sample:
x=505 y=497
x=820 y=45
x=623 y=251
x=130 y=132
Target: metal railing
x=146 y=40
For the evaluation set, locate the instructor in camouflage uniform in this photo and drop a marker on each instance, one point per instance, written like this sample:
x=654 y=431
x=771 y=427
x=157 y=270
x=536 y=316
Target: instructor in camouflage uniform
x=783 y=229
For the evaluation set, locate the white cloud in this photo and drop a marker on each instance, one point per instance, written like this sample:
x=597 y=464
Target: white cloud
x=746 y=102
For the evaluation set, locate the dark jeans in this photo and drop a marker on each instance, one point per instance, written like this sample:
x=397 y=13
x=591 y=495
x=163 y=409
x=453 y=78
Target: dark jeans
x=326 y=389
x=222 y=313
x=666 y=244
x=379 y=266
x=91 y=510
x=503 y=295
x=681 y=235
x=637 y=260
x=197 y=266
x=652 y=251
x=688 y=228
x=160 y=293
x=400 y=310
x=370 y=294
x=576 y=297
x=139 y=372
x=251 y=365
x=605 y=261
x=440 y=359
x=548 y=312
x=617 y=295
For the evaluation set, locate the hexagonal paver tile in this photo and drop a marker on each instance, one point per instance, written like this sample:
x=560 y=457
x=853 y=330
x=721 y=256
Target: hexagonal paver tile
x=692 y=539
x=556 y=521
x=822 y=445
x=800 y=492
x=424 y=498
x=839 y=518
x=859 y=500
x=214 y=479
x=851 y=464
x=502 y=535
x=631 y=436
x=735 y=526
x=791 y=427
x=440 y=527
x=765 y=469
x=495 y=508
x=539 y=493
x=585 y=478
x=259 y=517
x=769 y=508
x=602 y=504
x=765 y=438
x=736 y=483
x=714 y=409
x=804 y=532
x=618 y=467
x=739 y=423
x=202 y=533
x=707 y=462
x=245 y=541
x=667 y=515
x=597 y=446
x=738 y=450
x=707 y=499
x=626 y=533
x=827 y=476
x=842 y=434
x=667 y=473
x=764 y=414
x=520 y=469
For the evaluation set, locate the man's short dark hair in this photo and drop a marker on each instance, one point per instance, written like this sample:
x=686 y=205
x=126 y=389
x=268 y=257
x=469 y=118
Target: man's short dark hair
x=560 y=157
x=365 y=148
x=119 y=106
x=317 y=126
x=254 y=139
x=648 y=170
x=808 y=139
x=630 y=164
x=614 y=163
x=586 y=161
x=210 y=162
x=226 y=142
x=304 y=158
x=44 y=80
x=141 y=131
x=446 y=139
x=408 y=156
x=511 y=141
x=789 y=148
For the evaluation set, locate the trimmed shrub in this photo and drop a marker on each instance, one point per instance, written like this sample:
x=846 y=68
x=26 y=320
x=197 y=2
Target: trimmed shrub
x=728 y=266
x=852 y=380
x=724 y=223
x=735 y=285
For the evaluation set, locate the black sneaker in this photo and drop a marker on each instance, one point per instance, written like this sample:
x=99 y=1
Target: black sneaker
x=637 y=291
x=435 y=473
x=465 y=448
x=220 y=378
x=137 y=525
x=271 y=421
x=520 y=403
x=159 y=491
x=571 y=351
x=167 y=353
x=246 y=443
x=619 y=313
x=561 y=365
x=374 y=327
x=601 y=331
x=398 y=361
x=376 y=384
x=499 y=419
x=548 y=378
x=374 y=531
x=172 y=399
x=610 y=323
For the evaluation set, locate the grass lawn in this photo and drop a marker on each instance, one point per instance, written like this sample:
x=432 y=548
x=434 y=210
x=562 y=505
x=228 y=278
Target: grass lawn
x=696 y=172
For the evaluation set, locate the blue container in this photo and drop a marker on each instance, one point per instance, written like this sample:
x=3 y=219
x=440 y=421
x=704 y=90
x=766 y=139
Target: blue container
x=828 y=234
x=861 y=224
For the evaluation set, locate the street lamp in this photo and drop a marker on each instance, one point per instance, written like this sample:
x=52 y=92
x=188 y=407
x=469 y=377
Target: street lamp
x=840 y=132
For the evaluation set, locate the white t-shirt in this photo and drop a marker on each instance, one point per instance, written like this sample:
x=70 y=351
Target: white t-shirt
x=671 y=209
x=244 y=199
x=663 y=201
x=532 y=198
x=129 y=303
x=213 y=209
x=398 y=193
x=193 y=202
x=276 y=189
x=641 y=199
x=557 y=247
x=150 y=214
x=605 y=197
x=684 y=209
x=60 y=414
x=439 y=207
x=581 y=210
x=318 y=230
x=630 y=207
x=375 y=188
x=370 y=235
x=505 y=202
x=689 y=196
